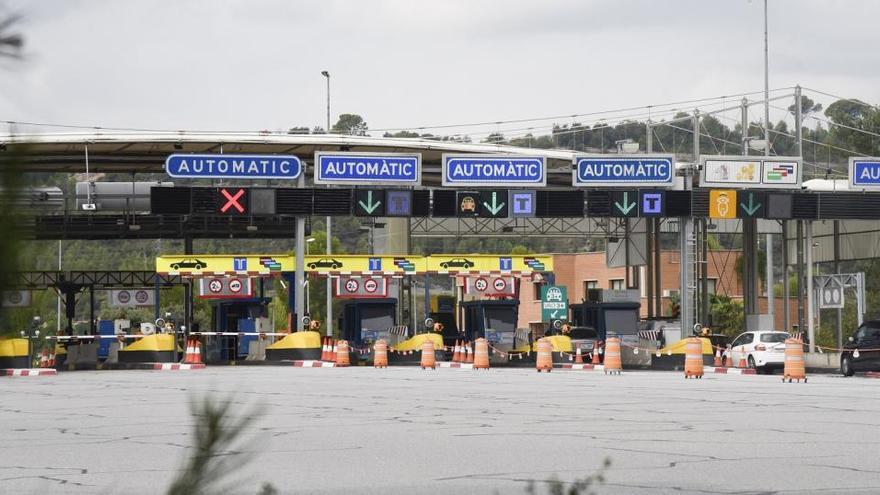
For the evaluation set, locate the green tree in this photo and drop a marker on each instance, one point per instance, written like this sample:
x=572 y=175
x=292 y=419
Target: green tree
x=727 y=315
x=350 y=123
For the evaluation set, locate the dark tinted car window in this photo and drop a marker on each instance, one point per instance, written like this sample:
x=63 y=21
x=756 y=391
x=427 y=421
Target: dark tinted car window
x=579 y=333
x=773 y=338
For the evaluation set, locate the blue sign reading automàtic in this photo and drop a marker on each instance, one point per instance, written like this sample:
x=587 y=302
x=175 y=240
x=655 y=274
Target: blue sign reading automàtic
x=610 y=171
x=864 y=173
x=493 y=170
x=189 y=166
x=368 y=168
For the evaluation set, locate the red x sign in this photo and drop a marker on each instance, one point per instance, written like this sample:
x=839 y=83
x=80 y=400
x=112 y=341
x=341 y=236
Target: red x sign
x=232 y=200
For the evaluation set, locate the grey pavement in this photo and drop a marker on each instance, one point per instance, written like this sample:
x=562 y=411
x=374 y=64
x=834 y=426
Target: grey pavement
x=404 y=430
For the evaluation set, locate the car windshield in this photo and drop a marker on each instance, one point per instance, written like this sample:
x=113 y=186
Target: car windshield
x=773 y=338
x=583 y=333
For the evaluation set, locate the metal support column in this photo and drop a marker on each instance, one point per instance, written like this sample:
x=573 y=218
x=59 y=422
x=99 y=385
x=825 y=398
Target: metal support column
x=811 y=330
x=786 y=292
x=649 y=265
x=187 y=297
x=299 y=301
x=685 y=240
x=839 y=323
x=768 y=279
x=328 y=324
x=658 y=285
x=800 y=275
x=704 y=269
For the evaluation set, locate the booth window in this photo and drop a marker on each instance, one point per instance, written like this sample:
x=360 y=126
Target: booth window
x=616 y=284
x=590 y=284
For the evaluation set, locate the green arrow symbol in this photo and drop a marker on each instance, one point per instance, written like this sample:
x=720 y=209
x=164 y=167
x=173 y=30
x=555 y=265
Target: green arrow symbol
x=752 y=207
x=496 y=207
x=626 y=207
x=370 y=207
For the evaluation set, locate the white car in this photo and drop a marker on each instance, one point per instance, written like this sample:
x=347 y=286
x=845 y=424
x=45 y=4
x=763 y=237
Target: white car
x=762 y=350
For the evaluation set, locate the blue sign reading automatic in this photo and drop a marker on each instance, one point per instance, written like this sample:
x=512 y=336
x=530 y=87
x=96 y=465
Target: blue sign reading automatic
x=367 y=168
x=188 y=166
x=483 y=170
x=623 y=171
x=865 y=172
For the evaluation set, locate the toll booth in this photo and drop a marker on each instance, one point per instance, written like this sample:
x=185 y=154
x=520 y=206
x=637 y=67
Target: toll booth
x=494 y=320
x=367 y=319
x=235 y=315
x=443 y=311
x=619 y=318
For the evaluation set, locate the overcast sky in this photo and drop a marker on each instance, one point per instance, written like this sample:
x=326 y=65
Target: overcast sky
x=252 y=64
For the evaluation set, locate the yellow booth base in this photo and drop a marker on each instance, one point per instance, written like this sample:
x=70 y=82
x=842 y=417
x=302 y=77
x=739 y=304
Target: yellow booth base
x=158 y=348
x=672 y=356
x=14 y=353
x=296 y=346
x=409 y=351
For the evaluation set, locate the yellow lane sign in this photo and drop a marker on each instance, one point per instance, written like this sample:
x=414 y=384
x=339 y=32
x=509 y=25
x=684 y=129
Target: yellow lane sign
x=360 y=263
x=722 y=203
x=224 y=264
x=488 y=263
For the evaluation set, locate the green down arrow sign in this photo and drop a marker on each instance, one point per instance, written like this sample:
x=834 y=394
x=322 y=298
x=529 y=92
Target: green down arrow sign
x=752 y=207
x=495 y=207
x=626 y=207
x=370 y=206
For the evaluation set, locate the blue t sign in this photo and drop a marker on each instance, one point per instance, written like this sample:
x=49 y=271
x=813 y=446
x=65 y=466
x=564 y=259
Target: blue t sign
x=375 y=264
x=652 y=203
x=239 y=264
x=506 y=264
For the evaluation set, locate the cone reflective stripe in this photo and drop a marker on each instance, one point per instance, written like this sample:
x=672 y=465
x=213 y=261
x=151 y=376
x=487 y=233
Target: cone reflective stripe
x=481 y=354
x=794 y=361
x=717 y=361
x=693 y=358
x=612 y=356
x=578 y=358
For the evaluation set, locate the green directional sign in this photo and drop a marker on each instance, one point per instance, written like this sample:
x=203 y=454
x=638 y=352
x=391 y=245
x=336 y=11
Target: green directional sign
x=494 y=204
x=554 y=303
x=369 y=202
x=751 y=204
x=625 y=204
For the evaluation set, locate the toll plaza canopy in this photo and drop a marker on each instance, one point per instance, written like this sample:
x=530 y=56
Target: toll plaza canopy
x=147 y=152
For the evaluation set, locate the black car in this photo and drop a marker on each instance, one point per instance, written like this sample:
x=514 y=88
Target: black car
x=862 y=352
x=457 y=263
x=189 y=263
x=326 y=263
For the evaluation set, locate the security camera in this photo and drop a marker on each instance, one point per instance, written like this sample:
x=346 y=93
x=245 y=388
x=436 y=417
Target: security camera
x=89 y=207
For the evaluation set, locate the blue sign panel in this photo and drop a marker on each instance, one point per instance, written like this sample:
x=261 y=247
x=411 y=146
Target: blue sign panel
x=623 y=171
x=375 y=264
x=368 y=168
x=190 y=166
x=494 y=170
x=864 y=173
x=239 y=264
x=522 y=204
x=505 y=264
x=398 y=203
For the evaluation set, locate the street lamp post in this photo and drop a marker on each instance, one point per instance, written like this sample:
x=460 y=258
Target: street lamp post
x=329 y=317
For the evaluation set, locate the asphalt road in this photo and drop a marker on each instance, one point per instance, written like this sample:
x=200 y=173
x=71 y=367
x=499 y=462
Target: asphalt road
x=405 y=431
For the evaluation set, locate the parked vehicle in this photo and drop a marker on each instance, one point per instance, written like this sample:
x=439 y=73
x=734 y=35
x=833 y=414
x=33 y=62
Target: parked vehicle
x=583 y=337
x=865 y=340
x=763 y=350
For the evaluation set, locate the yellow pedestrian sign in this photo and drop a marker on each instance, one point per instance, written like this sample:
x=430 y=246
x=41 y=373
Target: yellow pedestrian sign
x=722 y=203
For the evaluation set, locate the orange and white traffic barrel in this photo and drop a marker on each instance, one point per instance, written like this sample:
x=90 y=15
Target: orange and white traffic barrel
x=429 y=360
x=342 y=358
x=380 y=354
x=544 y=359
x=481 y=354
x=693 y=358
x=612 y=356
x=794 y=361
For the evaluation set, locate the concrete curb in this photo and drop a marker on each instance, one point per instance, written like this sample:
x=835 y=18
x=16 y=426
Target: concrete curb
x=177 y=366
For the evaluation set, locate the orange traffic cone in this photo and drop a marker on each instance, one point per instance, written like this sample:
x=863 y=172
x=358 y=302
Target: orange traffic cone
x=428 y=360
x=728 y=358
x=456 y=354
x=717 y=361
x=578 y=358
x=334 y=351
x=324 y=349
x=187 y=352
x=52 y=358
x=44 y=359
x=594 y=359
x=197 y=352
x=380 y=354
x=742 y=362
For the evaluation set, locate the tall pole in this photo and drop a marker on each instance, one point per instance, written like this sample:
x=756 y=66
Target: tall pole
x=58 y=319
x=329 y=316
x=771 y=303
x=299 y=274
